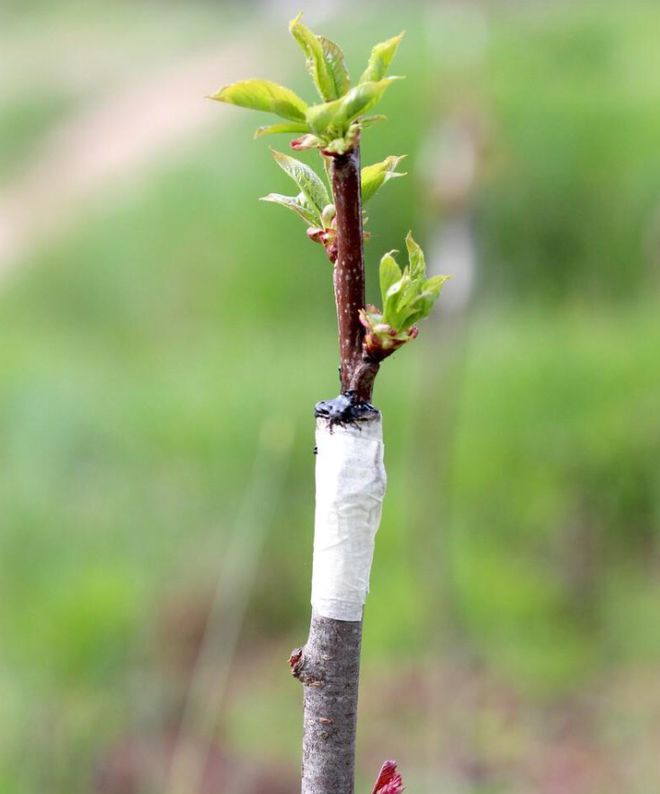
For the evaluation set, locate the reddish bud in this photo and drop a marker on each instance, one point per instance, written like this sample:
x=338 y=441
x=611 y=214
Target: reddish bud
x=305 y=142
x=315 y=234
x=389 y=780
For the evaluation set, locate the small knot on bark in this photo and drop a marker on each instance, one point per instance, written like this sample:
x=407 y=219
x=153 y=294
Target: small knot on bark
x=296 y=653
x=303 y=670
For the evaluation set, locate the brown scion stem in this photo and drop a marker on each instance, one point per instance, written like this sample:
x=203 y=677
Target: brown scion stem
x=356 y=372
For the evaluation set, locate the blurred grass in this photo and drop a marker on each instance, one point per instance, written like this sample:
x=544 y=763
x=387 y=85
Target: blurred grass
x=141 y=353
x=23 y=123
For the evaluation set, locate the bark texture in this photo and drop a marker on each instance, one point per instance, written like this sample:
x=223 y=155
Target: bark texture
x=329 y=668
x=357 y=373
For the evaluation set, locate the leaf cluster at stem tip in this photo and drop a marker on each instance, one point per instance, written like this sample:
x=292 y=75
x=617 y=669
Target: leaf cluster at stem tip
x=334 y=124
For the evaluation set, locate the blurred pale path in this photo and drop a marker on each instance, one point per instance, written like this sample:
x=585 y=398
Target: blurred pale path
x=116 y=139
x=124 y=132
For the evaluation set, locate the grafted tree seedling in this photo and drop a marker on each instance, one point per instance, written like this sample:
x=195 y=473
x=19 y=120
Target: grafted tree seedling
x=350 y=476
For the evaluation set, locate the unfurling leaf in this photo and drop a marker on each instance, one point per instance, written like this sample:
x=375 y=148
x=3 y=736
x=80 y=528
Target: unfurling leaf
x=273 y=129
x=294 y=203
x=334 y=57
x=321 y=117
x=373 y=177
x=332 y=118
x=380 y=59
x=362 y=98
x=264 y=95
x=325 y=61
x=368 y=121
x=407 y=297
x=389 y=272
x=416 y=258
x=412 y=296
x=307 y=180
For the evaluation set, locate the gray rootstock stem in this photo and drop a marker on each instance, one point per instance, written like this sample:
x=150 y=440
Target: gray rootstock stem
x=328 y=665
x=329 y=668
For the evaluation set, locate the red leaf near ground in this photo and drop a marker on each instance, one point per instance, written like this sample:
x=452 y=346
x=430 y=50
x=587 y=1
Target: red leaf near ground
x=389 y=780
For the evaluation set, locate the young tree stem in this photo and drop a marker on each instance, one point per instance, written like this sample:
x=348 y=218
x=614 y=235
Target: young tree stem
x=356 y=373
x=329 y=664
x=329 y=668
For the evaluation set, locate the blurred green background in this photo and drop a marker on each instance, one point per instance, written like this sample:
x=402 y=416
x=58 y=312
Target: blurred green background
x=165 y=336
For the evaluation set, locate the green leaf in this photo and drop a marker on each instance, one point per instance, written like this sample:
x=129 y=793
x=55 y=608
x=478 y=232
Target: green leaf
x=409 y=296
x=293 y=203
x=406 y=304
x=423 y=304
x=302 y=199
x=307 y=180
x=380 y=59
x=336 y=116
x=273 y=129
x=373 y=177
x=368 y=121
x=420 y=305
x=317 y=66
x=434 y=284
x=415 y=258
x=362 y=98
x=334 y=58
x=392 y=308
x=321 y=117
x=389 y=273
x=264 y=95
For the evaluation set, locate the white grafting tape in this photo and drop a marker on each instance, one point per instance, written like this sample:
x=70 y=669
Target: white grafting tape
x=350 y=486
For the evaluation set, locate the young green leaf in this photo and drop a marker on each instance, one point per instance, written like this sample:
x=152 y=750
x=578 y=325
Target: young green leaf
x=362 y=98
x=393 y=303
x=336 y=116
x=423 y=304
x=373 y=177
x=415 y=258
x=318 y=66
x=334 y=57
x=435 y=284
x=389 y=272
x=380 y=59
x=307 y=180
x=369 y=121
x=393 y=297
x=294 y=204
x=273 y=129
x=407 y=297
x=263 y=95
x=321 y=117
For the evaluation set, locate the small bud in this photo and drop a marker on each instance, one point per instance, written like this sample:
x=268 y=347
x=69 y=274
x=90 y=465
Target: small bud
x=328 y=215
x=389 y=780
x=315 y=234
x=306 y=142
